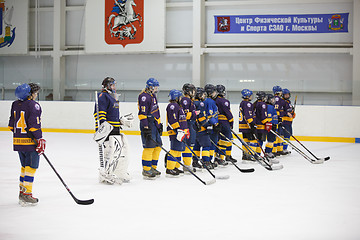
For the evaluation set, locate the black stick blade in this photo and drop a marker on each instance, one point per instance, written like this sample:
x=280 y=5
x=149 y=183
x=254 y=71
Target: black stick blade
x=84 y=202
x=249 y=170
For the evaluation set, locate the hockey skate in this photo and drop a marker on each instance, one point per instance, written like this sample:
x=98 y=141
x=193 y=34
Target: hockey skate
x=181 y=172
x=191 y=168
x=197 y=165
x=246 y=158
x=172 y=173
x=148 y=175
x=106 y=178
x=231 y=159
x=208 y=164
x=156 y=172
x=28 y=200
x=286 y=152
x=220 y=162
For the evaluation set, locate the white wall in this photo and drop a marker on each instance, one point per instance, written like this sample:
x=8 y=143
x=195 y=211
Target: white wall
x=329 y=121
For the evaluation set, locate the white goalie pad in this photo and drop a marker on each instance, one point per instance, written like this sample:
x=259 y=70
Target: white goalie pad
x=116 y=157
x=127 y=120
x=103 y=132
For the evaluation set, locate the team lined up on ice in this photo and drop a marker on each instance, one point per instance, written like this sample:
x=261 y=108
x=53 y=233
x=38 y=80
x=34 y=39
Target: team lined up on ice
x=198 y=121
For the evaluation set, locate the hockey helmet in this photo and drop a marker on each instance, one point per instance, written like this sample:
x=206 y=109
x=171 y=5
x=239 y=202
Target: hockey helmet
x=175 y=95
x=246 y=93
x=221 y=90
x=286 y=91
x=107 y=82
x=261 y=95
x=23 y=91
x=277 y=89
x=200 y=93
x=270 y=98
x=151 y=84
x=189 y=89
x=209 y=89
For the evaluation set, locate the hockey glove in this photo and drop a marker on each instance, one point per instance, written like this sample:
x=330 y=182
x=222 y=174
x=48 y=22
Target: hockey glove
x=217 y=128
x=268 y=126
x=40 y=148
x=147 y=133
x=187 y=133
x=180 y=135
x=161 y=129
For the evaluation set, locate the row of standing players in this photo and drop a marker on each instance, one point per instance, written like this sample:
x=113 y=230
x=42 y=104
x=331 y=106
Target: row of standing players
x=199 y=121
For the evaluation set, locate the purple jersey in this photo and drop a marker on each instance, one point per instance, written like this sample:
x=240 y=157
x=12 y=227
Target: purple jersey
x=288 y=108
x=245 y=116
x=188 y=107
x=175 y=117
x=261 y=116
x=225 y=116
x=279 y=106
x=148 y=108
x=25 y=115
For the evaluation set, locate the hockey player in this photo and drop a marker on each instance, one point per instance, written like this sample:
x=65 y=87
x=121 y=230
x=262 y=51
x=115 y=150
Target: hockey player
x=202 y=143
x=271 y=138
x=247 y=123
x=187 y=105
x=287 y=119
x=177 y=130
x=261 y=119
x=212 y=114
x=226 y=122
x=151 y=128
x=279 y=107
x=108 y=136
x=25 y=115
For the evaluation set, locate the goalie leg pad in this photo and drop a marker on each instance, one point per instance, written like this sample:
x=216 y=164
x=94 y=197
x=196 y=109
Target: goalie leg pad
x=120 y=146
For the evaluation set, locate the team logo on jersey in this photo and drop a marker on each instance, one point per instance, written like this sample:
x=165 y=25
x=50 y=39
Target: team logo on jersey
x=172 y=107
x=336 y=22
x=7 y=30
x=249 y=105
x=143 y=98
x=202 y=104
x=185 y=102
x=264 y=106
x=123 y=22
x=37 y=107
x=226 y=104
x=223 y=24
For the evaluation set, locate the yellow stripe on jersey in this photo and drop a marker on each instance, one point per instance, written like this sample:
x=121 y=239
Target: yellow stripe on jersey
x=11 y=128
x=171 y=132
x=266 y=120
x=222 y=117
x=243 y=126
x=141 y=116
x=175 y=125
x=23 y=141
x=33 y=129
x=289 y=119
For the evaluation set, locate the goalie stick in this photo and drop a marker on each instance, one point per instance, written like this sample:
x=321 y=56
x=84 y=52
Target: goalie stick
x=192 y=173
x=101 y=148
x=78 y=201
x=322 y=159
x=317 y=161
x=249 y=170
x=255 y=155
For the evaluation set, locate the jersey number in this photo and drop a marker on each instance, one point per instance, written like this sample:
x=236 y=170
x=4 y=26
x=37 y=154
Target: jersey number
x=241 y=117
x=21 y=122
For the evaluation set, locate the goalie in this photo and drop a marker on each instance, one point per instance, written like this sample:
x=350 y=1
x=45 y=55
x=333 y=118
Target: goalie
x=113 y=145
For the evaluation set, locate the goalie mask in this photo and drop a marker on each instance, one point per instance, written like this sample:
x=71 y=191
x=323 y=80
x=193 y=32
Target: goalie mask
x=108 y=84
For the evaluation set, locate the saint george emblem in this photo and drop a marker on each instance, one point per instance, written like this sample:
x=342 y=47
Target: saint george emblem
x=7 y=30
x=124 y=22
x=223 y=24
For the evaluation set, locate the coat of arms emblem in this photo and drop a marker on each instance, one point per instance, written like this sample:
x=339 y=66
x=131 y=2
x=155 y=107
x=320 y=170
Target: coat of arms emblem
x=124 y=22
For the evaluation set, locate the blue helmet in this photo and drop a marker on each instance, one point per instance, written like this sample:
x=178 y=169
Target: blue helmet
x=152 y=82
x=23 y=91
x=246 y=93
x=175 y=94
x=286 y=91
x=277 y=89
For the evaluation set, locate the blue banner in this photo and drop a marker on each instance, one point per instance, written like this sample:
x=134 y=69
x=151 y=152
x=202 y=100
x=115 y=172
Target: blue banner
x=289 y=24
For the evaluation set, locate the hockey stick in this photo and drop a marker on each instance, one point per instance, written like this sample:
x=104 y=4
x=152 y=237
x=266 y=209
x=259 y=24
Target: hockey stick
x=204 y=182
x=317 y=161
x=202 y=162
x=255 y=155
x=324 y=159
x=241 y=170
x=80 y=202
x=101 y=155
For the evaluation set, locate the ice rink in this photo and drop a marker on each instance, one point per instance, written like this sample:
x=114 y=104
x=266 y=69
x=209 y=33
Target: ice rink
x=301 y=201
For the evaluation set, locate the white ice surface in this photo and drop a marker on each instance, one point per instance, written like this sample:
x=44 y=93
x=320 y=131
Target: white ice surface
x=301 y=201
